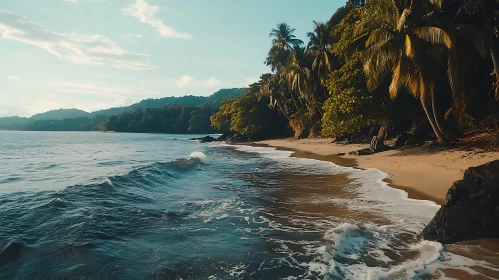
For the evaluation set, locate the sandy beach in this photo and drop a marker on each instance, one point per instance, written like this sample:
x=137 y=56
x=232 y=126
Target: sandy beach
x=425 y=173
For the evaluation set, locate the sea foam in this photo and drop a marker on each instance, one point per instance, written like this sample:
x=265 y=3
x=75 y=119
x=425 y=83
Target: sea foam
x=201 y=156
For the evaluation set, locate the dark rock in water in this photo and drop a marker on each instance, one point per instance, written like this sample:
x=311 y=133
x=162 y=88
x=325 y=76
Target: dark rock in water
x=402 y=139
x=363 y=152
x=471 y=208
x=206 y=139
x=231 y=137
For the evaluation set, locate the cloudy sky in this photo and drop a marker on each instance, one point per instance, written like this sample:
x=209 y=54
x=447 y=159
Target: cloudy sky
x=95 y=54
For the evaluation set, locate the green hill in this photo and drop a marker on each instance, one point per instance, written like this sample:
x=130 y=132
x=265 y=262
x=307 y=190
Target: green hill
x=75 y=119
x=60 y=114
x=189 y=100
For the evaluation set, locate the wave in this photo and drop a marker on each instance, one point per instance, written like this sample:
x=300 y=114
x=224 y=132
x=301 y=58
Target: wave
x=157 y=173
x=201 y=156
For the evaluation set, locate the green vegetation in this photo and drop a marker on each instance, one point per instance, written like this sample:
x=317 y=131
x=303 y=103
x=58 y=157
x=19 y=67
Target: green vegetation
x=166 y=119
x=187 y=114
x=249 y=115
x=419 y=66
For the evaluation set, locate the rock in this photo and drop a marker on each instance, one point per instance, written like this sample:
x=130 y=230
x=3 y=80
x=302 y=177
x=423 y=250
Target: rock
x=471 y=208
x=232 y=137
x=363 y=152
x=378 y=142
x=402 y=139
x=377 y=145
x=206 y=139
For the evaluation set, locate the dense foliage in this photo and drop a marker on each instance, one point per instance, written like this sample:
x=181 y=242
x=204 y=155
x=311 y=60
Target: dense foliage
x=166 y=119
x=249 y=115
x=415 y=66
x=73 y=124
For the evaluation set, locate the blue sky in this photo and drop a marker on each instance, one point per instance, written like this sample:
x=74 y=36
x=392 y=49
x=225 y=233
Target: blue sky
x=96 y=54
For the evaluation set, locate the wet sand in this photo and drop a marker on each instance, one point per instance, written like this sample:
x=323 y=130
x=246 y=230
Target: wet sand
x=424 y=173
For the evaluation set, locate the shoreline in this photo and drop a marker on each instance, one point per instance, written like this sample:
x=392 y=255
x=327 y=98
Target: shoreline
x=424 y=173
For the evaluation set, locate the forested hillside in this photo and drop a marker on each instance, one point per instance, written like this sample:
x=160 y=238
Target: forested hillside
x=60 y=114
x=166 y=119
x=190 y=100
x=428 y=69
x=193 y=107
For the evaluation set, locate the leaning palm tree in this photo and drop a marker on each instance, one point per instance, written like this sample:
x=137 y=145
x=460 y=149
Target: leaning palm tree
x=407 y=47
x=321 y=45
x=284 y=38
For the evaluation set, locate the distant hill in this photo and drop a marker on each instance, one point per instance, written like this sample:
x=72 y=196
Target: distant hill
x=60 y=114
x=84 y=120
x=13 y=123
x=213 y=100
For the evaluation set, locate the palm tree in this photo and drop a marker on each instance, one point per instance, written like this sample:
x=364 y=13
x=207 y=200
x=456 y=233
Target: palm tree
x=409 y=49
x=321 y=45
x=284 y=37
x=486 y=16
x=298 y=73
x=282 y=43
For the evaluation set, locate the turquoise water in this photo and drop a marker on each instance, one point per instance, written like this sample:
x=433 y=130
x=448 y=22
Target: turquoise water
x=147 y=206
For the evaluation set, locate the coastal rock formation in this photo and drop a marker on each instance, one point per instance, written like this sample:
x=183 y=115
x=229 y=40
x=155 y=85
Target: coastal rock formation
x=206 y=139
x=471 y=208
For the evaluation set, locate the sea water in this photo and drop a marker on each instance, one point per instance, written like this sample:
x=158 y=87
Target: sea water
x=149 y=206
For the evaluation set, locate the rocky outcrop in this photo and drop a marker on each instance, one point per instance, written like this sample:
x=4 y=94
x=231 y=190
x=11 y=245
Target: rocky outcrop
x=206 y=139
x=471 y=208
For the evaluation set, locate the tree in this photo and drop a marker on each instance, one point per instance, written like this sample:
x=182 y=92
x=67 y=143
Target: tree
x=321 y=46
x=282 y=43
x=284 y=37
x=408 y=47
x=298 y=73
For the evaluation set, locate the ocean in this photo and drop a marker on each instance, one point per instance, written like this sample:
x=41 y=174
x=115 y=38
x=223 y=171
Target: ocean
x=84 y=205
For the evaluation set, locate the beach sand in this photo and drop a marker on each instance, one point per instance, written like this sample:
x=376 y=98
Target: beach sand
x=425 y=173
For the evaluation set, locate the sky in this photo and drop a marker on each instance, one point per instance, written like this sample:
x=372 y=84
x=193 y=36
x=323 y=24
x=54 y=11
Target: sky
x=97 y=54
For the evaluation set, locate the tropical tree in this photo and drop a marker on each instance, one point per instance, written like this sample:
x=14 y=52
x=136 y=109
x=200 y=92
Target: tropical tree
x=485 y=10
x=283 y=41
x=407 y=46
x=321 y=45
x=298 y=73
x=284 y=38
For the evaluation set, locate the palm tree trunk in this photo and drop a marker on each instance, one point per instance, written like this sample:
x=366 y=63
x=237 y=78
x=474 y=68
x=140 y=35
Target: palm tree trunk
x=282 y=110
x=491 y=42
x=436 y=118
x=495 y=61
x=429 y=115
x=296 y=105
x=318 y=108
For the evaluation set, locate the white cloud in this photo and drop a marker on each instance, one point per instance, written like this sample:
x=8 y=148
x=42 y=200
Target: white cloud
x=212 y=82
x=251 y=80
x=184 y=81
x=14 y=78
x=146 y=13
x=72 y=1
x=82 y=88
x=78 y=48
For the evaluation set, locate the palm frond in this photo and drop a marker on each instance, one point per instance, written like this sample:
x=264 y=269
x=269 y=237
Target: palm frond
x=403 y=18
x=434 y=35
x=379 y=35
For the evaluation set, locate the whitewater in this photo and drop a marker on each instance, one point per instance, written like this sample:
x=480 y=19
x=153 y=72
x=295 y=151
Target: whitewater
x=143 y=206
